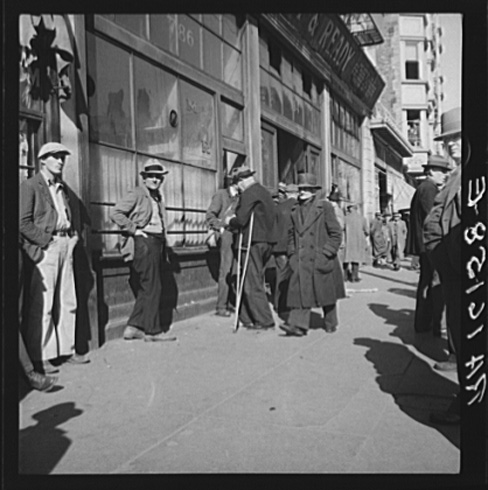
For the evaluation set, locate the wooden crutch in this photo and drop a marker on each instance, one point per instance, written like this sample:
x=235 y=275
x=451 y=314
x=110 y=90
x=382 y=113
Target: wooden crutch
x=240 y=287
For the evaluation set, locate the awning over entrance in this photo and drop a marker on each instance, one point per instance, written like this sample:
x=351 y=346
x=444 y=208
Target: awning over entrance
x=402 y=194
x=391 y=137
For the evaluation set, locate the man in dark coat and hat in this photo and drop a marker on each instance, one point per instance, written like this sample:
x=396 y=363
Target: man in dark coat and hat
x=314 y=238
x=255 y=312
x=430 y=304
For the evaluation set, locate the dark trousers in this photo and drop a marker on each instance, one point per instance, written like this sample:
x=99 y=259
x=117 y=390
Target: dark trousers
x=225 y=268
x=352 y=274
x=300 y=317
x=430 y=300
x=254 y=303
x=25 y=360
x=283 y=273
x=145 y=282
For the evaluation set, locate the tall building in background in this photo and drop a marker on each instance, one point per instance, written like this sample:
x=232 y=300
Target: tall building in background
x=409 y=63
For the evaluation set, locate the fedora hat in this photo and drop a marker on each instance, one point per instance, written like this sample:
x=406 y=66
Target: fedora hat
x=450 y=123
x=308 y=181
x=240 y=173
x=437 y=161
x=51 y=149
x=154 y=167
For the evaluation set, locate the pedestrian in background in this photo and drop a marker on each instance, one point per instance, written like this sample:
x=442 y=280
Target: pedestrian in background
x=398 y=235
x=429 y=304
x=48 y=240
x=255 y=200
x=335 y=198
x=379 y=244
x=283 y=272
x=313 y=242
x=355 y=233
x=442 y=234
x=222 y=205
x=141 y=215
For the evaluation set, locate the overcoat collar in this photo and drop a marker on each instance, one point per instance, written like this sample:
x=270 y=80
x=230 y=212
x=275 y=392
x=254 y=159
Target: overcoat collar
x=314 y=213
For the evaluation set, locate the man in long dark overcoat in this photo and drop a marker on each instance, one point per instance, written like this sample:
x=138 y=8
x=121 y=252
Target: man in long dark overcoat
x=314 y=238
x=429 y=304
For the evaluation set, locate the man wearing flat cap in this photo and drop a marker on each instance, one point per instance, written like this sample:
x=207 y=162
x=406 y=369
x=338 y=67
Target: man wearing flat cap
x=314 y=237
x=429 y=305
x=48 y=239
x=141 y=216
x=397 y=229
x=255 y=313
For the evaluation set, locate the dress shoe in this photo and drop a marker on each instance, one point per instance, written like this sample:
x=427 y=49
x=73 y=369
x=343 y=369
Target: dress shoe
x=292 y=330
x=133 y=333
x=445 y=418
x=258 y=326
x=225 y=313
x=45 y=367
x=41 y=382
x=159 y=337
x=330 y=329
x=77 y=359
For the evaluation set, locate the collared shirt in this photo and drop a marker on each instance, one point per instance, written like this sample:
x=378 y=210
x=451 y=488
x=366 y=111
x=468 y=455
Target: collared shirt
x=56 y=188
x=155 y=224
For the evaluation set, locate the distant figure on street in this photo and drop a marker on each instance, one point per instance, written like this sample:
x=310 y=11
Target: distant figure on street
x=48 y=239
x=141 y=215
x=379 y=244
x=430 y=303
x=255 y=200
x=314 y=239
x=356 y=231
x=442 y=234
x=398 y=236
x=335 y=198
x=283 y=272
x=223 y=204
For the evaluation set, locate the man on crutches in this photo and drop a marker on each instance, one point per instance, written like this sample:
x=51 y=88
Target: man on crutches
x=256 y=221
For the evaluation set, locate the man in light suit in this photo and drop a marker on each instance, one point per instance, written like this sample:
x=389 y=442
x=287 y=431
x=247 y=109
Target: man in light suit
x=48 y=239
x=398 y=235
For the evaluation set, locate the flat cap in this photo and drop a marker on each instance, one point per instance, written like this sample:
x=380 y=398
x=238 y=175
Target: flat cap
x=51 y=149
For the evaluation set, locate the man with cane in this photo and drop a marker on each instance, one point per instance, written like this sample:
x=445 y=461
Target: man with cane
x=256 y=220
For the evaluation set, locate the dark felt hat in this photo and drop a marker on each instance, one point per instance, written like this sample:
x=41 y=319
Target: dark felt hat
x=308 y=181
x=335 y=195
x=437 y=161
x=450 y=123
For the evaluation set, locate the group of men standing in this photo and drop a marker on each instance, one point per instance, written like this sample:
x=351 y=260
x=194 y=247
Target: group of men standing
x=303 y=235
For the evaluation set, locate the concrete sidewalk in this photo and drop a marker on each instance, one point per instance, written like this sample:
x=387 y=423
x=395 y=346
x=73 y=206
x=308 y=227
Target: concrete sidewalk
x=356 y=401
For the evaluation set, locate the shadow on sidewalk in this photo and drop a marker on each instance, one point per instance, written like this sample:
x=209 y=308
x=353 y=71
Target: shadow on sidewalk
x=389 y=360
x=402 y=319
x=389 y=278
x=43 y=445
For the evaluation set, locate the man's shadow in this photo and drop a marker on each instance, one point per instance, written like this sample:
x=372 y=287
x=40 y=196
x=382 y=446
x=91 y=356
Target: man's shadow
x=403 y=319
x=43 y=445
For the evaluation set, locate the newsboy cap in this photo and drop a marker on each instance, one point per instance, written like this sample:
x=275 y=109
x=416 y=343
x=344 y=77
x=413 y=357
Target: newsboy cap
x=450 y=123
x=51 y=149
x=437 y=161
x=153 y=166
x=240 y=173
x=307 y=180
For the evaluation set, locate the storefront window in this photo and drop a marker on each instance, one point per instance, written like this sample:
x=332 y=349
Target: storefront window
x=212 y=54
x=264 y=88
x=345 y=130
x=163 y=30
x=197 y=125
x=156 y=104
x=276 y=94
x=232 y=67
x=189 y=42
x=348 y=178
x=133 y=22
x=212 y=22
x=232 y=124
x=109 y=69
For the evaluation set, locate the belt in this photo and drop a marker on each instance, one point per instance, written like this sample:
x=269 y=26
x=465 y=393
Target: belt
x=62 y=233
x=158 y=236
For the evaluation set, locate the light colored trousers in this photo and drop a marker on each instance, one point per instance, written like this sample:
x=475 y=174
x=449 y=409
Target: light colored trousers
x=50 y=329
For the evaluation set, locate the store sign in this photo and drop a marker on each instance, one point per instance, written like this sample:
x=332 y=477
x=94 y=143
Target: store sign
x=330 y=38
